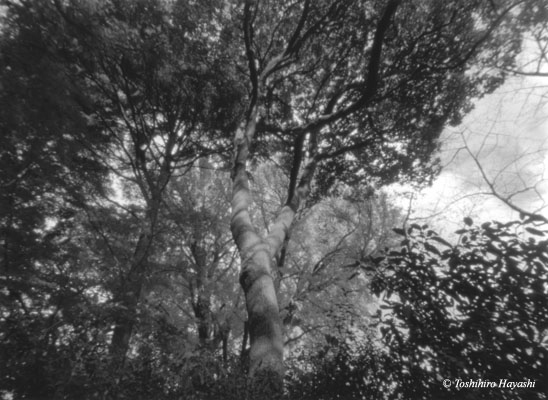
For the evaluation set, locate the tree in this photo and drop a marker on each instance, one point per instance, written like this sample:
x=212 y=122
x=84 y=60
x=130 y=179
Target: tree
x=201 y=253
x=47 y=168
x=492 y=163
x=155 y=88
x=534 y=61
x=48 y=174
x=159 y=110
x=351 y=92
x=336 y=93
x=323 y=289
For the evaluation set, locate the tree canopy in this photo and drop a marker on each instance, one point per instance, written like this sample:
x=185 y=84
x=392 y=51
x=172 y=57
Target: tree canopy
x=156 y=152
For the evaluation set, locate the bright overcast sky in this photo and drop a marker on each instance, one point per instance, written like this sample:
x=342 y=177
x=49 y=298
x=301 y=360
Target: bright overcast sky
x=507 y=132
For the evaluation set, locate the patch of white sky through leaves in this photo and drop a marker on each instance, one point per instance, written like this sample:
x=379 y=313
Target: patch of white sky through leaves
x=501 y=146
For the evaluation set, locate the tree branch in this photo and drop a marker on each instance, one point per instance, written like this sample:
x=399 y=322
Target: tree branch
x=373 y=67
x=495 y=192
x=280 y=228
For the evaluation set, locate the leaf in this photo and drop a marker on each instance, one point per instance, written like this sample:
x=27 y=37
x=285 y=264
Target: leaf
x=534 y=231
x=441 y=240
x=468 y=221
x=399 y=231
x=485 y=225
x=536 y=217
x=432 y=249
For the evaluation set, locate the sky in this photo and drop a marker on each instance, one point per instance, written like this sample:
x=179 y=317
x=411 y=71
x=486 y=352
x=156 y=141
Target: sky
x=506 y=135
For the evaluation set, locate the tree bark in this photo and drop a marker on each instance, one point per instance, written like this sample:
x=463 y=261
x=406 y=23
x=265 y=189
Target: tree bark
x=201 y=303
x=130 y=293
x=128 y=299
x=265 y=332
x=257 y=256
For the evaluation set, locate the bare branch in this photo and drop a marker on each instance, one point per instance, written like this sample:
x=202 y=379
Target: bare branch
x=493 y=190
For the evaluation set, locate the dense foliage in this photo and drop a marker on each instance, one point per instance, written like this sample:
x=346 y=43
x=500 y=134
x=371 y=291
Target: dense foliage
x=475 y=310
x=118 y=272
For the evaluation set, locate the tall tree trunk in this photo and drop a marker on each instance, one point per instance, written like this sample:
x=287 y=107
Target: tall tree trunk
x=256 y=277
x=201 y=299
x=128 y=300
x=130 y=293
x=257 y=254
x=202 y=312
x=265 y=329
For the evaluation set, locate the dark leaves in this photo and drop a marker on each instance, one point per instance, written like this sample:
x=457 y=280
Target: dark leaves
x=432 y=249
x=440 y=240
x=534 y=231
x=475 y=307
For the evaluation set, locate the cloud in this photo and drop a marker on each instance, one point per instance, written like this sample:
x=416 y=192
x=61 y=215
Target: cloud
x=501 y=146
